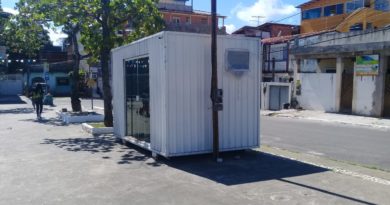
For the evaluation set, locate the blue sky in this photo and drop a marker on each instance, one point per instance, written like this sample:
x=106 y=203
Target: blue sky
x=238 y=12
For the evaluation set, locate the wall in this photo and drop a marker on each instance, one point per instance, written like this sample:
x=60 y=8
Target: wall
x=368 y=95
x=364 y=88
x=52 y=82
x=11 y=85
x=318 y=92
x=188 y=102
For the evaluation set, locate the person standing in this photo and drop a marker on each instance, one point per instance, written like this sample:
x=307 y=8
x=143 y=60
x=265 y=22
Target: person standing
x=37 y=97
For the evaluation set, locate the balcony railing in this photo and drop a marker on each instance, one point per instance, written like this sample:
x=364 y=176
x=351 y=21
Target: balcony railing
x=193 y=28
x=174 y=7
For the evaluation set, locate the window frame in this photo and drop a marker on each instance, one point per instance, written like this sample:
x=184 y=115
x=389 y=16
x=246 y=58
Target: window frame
x=228 y=63
x=306 y=11
x=335 y=8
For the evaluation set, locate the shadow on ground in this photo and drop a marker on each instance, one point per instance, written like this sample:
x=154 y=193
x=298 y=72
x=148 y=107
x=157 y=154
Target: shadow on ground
x=47 y=121
x=102 y=144
x=17 y=111
x=243 y=167
x=14 y=99
x=237 y=168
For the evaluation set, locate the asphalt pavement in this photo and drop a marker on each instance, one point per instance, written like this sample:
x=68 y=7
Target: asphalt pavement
x=48 y=162
x=360 y=145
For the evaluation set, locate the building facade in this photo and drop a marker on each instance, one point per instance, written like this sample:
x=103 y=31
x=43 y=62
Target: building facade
x=344 y=15
x=343 y=72
x=178 y=15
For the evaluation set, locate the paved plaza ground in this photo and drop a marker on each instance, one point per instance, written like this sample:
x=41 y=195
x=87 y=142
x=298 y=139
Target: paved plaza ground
x=46 y=162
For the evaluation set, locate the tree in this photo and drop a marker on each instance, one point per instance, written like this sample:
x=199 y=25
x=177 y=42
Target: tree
x=66 y=14
x=22 y=35
x=103 y=19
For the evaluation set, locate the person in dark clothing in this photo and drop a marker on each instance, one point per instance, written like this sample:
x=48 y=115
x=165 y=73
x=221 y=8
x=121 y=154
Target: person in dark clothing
x=37 y=97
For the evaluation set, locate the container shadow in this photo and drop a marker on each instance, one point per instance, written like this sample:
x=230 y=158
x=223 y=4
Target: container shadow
x=243 y=167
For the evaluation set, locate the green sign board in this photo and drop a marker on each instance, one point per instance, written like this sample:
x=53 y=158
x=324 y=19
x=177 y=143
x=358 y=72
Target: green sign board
x=367 y=65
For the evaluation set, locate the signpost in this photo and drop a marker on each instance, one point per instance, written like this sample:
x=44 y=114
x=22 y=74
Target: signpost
x=367 y=65
x=91 y=83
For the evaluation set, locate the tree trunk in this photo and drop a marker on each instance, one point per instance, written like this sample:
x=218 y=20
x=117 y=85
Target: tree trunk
x=75 y=97
x=104 y=58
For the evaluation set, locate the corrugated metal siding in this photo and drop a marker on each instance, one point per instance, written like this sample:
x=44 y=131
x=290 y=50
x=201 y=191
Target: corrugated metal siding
x=189 y=105
x=152 y=47
x=239 y=121
x=157 y=94
x=180 y=78
x=188 y=108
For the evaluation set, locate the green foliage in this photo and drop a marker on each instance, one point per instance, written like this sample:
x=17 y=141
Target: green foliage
x=142 y=15
x=23 y=34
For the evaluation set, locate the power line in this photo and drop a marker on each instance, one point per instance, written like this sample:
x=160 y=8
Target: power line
x=285 y=18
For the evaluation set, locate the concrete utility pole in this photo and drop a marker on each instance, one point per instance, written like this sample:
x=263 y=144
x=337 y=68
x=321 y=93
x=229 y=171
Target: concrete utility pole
x=214 y=79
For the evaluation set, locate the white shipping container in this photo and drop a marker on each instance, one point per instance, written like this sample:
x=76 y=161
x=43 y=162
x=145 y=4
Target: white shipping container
x=161 y=93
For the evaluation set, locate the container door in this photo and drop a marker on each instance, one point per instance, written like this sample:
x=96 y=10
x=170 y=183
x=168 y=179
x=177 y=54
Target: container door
x=138 y=98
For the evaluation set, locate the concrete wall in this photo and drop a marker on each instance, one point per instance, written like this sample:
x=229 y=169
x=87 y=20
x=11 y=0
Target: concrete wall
x=11 y=85
x=52 y=82
x=364 y=87
x=369 y=91
x=318 y=92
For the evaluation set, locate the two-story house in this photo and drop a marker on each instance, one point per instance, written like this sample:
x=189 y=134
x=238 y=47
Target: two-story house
x=181 y=16
x=344 y=15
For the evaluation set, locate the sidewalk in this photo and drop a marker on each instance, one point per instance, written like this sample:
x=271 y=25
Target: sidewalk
x=331 y=118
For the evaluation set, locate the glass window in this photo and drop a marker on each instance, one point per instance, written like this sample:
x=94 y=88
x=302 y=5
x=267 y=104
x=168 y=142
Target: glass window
x=354 y=5
x=62 y=81
x=188 y=20
x=138 y=98
x=334 y=10
x=382 y=5
x=238 y=60
x=311 y=14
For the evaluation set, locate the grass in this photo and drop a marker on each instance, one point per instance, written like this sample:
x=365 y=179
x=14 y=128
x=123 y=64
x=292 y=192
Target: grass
x=97 y=125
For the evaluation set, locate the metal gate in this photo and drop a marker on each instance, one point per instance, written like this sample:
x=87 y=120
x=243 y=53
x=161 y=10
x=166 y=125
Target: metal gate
x=346 y=92
x=279 y=96
x=386 y=111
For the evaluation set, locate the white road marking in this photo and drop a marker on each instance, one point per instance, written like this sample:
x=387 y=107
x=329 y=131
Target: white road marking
x=342 y=171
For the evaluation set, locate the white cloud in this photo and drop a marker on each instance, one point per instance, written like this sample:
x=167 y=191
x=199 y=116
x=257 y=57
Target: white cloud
x=271 y=10
x=230 y=28
x=11 y=10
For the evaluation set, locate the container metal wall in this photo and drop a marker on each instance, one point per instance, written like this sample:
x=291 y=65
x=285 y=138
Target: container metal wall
x=189 y=104
x=153 y=47
x=180 y=106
